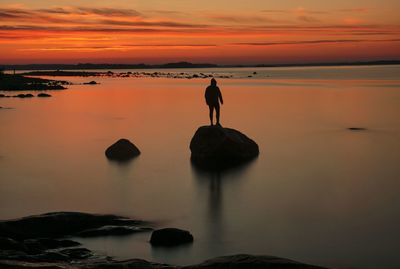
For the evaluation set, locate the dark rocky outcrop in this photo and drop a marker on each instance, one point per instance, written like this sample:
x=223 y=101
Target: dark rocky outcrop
x=170 y=237
x=36 y=238
x=91 y=83
x=61 y=224
x=122 y=150
x=241 y=261
x=21 y=95
x=244 y=261
x=43 y=95
x=215 y=147
x=357 y=129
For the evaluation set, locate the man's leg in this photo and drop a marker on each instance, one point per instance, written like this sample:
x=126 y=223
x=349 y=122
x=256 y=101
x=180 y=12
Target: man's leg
x=211 y=114
x=217 y=113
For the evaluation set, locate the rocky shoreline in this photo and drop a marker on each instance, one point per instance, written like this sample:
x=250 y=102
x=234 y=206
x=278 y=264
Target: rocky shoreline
x=44 y=241
x=136 y=74
x=19 y=82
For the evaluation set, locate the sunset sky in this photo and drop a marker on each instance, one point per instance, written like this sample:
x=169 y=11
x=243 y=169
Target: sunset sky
x=212 y=31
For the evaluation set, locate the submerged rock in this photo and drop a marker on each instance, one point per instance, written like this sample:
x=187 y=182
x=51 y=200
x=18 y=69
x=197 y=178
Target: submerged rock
x=215 y=147
x=170 y=237
x=43 y=95
x=112 y=231
x=122 y=150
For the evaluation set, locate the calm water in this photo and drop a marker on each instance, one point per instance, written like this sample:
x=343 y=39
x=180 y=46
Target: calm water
x=318 y=193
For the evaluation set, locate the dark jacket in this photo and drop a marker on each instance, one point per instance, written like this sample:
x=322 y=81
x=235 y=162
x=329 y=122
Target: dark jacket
x=213 y=95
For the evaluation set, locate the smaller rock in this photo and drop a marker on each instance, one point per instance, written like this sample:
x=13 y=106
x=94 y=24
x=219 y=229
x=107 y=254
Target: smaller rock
x=254 y=73
x=122 y=150
x=21 y=95
x=357 y=128
x=43 y=95
x=91 y=83
x=2 y=95
x=170 y=237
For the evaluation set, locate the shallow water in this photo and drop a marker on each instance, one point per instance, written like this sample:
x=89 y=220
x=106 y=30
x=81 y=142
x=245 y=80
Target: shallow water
x=318 y=193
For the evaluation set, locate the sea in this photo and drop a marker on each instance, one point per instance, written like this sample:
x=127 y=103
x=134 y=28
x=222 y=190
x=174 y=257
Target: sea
x=318 y=193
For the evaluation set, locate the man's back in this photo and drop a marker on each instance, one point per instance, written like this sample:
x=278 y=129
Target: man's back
x=213 y=95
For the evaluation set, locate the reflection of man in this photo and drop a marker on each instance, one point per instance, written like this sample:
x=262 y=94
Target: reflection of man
x=213 y=97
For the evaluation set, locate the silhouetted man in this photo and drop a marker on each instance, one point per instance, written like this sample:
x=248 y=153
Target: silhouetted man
x=213 y=97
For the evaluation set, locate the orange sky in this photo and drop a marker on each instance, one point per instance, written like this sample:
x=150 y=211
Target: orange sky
x=218 y=31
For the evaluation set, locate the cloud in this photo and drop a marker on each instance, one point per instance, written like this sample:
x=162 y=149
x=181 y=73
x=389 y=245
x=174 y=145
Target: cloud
x=239 y=18
x=109 y=12
x=313 y=42
x=82 y=16
x=308 y=19
x=121 y=47
x=361 y=10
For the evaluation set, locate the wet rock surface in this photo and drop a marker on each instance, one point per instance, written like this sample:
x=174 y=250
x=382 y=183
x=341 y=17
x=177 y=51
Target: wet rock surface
x=215 y=147
x=170 y=237
x=39 y=238
x=61 y=224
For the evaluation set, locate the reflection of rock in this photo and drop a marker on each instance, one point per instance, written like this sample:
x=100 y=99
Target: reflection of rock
x=170 y=237
x=215 y=147
x=242 y=261
x=43 y=95
x=60 y=224
x=122 y=150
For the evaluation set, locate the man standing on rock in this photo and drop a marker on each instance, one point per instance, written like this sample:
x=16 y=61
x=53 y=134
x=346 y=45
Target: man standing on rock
x=213 y=97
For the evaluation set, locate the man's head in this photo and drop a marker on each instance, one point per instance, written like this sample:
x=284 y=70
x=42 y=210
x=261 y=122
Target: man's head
x=213 y=82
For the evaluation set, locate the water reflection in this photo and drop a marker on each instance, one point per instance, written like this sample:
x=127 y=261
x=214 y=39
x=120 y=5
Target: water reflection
x=214 y=183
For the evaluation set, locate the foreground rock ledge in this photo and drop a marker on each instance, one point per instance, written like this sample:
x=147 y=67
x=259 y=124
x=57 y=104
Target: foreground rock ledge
x=122 y=150
x=240 y=261
x=64 y=224
x=215 y=147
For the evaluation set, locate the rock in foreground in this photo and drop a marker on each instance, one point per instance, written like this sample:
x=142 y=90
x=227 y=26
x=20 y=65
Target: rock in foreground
x=244 y=261
x=215 y=147
x=241 y=261
x=122 y=150
x=61 y=224
x=170 y=237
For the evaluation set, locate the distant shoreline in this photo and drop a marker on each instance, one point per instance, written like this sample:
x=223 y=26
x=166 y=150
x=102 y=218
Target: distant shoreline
x=181 y=65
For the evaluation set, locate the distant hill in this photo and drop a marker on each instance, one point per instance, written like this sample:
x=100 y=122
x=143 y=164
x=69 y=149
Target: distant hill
x=90 y=66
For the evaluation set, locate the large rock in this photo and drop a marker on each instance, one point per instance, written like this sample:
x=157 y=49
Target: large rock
x=61 y=224
x=244 y=261
x=215 y=147
x=170 y=237
x=122 y=150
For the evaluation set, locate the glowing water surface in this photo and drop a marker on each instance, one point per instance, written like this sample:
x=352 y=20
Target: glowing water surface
x=318 y=193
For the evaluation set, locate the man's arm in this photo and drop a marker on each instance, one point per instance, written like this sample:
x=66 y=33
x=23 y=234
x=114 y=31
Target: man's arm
x=220 y=97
